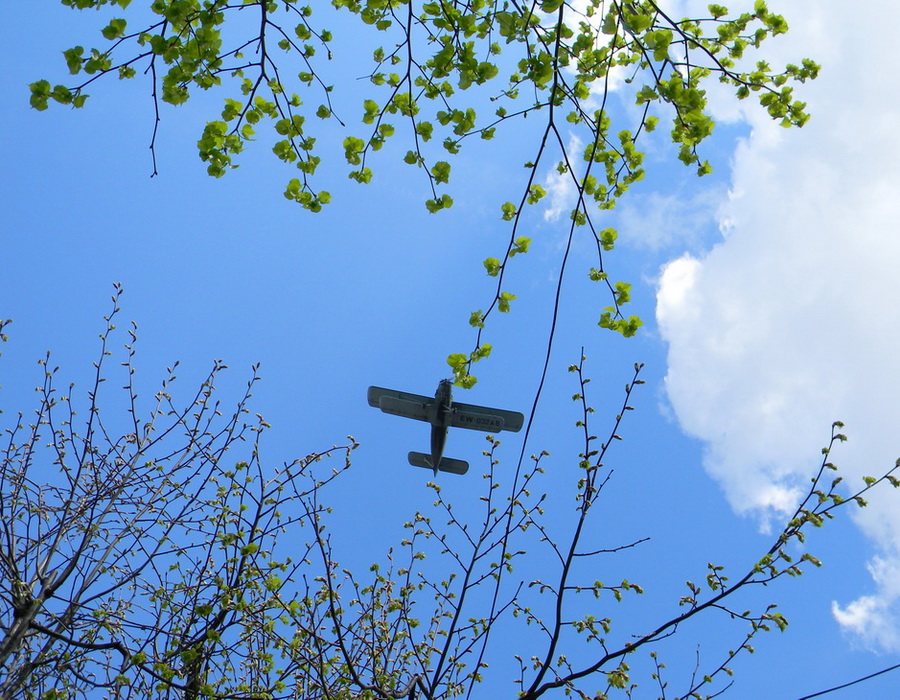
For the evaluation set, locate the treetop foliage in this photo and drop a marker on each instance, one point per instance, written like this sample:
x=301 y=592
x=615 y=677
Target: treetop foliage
x=556 y=62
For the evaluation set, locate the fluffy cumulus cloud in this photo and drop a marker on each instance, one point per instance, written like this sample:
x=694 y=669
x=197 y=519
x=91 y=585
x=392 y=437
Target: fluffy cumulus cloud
x=561 y=191
x=871 y=617
x=792 y=320
x=657 y=221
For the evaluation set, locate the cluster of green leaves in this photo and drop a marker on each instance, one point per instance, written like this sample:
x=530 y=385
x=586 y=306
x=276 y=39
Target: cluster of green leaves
x=563 y=63
x=184 y=49
x=447 y=73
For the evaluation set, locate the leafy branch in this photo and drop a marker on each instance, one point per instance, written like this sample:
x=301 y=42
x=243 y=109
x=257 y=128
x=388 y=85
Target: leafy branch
x=436 y=69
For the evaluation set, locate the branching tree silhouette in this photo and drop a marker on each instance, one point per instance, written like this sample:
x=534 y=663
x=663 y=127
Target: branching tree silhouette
x=144 y=552
x=132 y=556
x=144 y=555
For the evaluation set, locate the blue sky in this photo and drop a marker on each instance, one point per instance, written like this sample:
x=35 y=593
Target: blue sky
x=772 y=284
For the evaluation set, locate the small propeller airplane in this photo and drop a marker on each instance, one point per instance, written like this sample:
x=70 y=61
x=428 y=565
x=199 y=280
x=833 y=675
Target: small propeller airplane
x=443 y=414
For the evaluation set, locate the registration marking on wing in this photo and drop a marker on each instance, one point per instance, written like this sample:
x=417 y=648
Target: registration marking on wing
x=478 y=421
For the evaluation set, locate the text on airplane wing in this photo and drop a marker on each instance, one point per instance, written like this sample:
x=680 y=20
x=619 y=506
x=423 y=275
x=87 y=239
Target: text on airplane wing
x=486 y=419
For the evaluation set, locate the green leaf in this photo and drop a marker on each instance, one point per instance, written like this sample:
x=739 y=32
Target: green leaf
x=493 y=266
x=61 y=94
x=535 y=194
x=40 y=94
x=353 y=147
x=114 y=30
x=628 y=328
x=97 y=63
x=623 y=292
x=441 y=171
x=457 y=359
x=442 y=202
x=508 y=211
x=608 y=238
x=363 y=175
x=520 y=245
x=74 y=59
x=232 y=109
x=646 y=94
x=481 y=352
x=637 y=23
x=610 y=22
x=503 y=301
x=371 y=111
x=424 y=129
x=466 y=381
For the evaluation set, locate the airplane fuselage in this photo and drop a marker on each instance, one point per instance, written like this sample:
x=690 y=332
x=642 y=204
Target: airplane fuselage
x=440 y=421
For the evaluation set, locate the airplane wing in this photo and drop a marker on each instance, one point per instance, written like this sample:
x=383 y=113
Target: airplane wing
x=401 y=403
x=490 y=420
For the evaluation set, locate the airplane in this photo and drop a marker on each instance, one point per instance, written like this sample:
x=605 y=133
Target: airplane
x=443 y=414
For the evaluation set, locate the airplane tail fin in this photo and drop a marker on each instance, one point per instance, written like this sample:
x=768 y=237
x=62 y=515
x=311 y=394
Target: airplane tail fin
x=453 y=466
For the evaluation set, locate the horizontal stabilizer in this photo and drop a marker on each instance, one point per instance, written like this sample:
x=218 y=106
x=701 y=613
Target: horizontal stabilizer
x=453 y=466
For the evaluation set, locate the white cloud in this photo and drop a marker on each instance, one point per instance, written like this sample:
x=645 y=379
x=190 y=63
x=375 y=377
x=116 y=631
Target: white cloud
x=657 y=221
x=561 y=190
x=793 y=320
x=872 y=619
